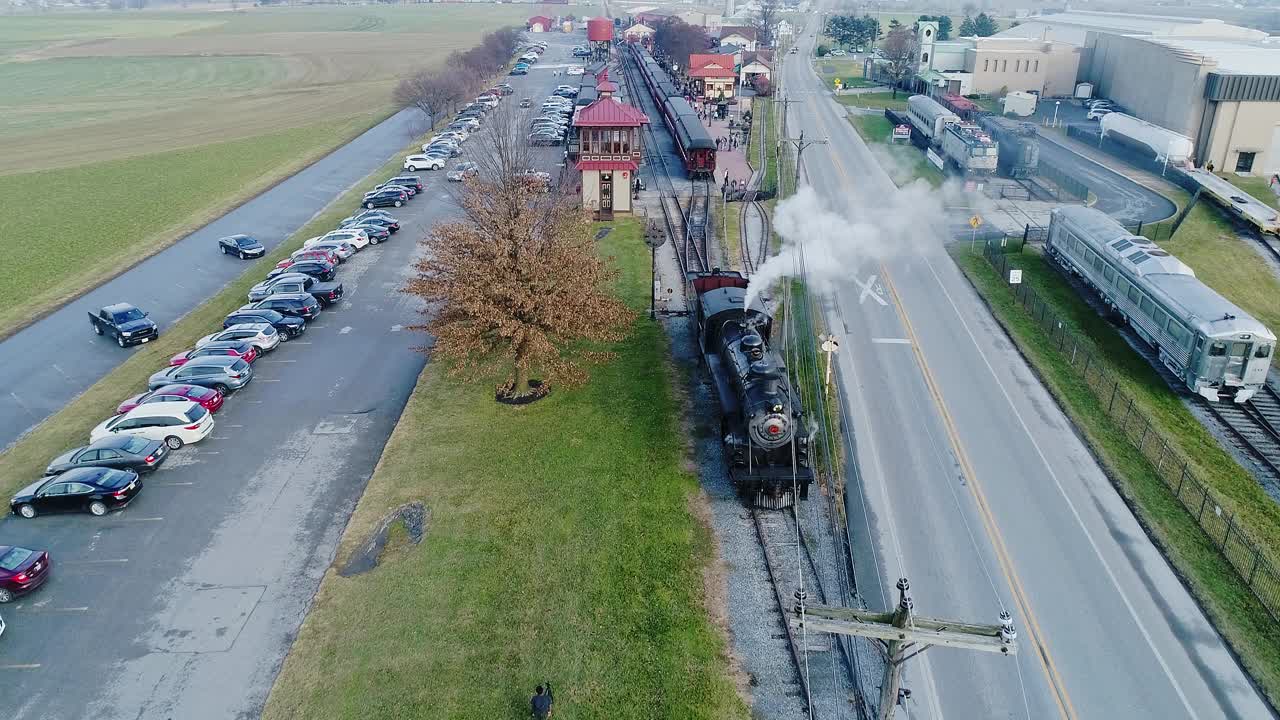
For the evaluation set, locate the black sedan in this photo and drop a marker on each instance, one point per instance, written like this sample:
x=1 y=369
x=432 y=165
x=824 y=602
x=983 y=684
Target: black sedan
x=379 y=216
x=21 y=571
x=385 y=198
x=95 y=490
x=121 y=452
x=377 y=232
x=317 y=269
x=412 y=182
x=242 y=246
x=288 y=327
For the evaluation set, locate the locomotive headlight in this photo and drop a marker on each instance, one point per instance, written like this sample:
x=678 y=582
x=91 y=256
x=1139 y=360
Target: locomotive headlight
x=777 y=408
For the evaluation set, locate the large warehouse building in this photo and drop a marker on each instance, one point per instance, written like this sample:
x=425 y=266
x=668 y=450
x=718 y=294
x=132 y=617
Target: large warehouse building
x=1216 y=83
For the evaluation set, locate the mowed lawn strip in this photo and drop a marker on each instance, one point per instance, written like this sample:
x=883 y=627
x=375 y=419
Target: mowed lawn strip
x=903 y=162
x=27 y=458
x=1243 y=621
x=561 y=546
x=72 y=229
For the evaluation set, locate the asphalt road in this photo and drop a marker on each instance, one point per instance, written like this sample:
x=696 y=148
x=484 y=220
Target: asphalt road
x=184 y=605
x=1118 y=196
x=974 y=485
x=58 y=357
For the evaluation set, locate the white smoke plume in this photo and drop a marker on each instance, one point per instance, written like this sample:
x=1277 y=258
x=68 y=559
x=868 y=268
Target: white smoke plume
x=869 y=227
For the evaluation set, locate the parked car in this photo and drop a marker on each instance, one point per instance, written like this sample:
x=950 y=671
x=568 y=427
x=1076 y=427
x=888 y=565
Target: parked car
x=412 y=163
x=1097 y=113
x=21 y=571
x=95 y=490
x=359 y=239
x=386 y=198
x=126 y=323
x=380 y=216
x=505 y=88
x=261 y=334
x=176 y=423
x=462 y=171
x=519 y=70
x=295 y=304
x=121 y=452
x=489 y=100
x=375 y=232
x=287 y=328
x=340 y=249
x=444 y=147
x=227 y=348
x=317 y=269
x=309 y=255
x=211 y=399
x=545 y=138
x=575 y=70
x=220 y=373
x=241 y=246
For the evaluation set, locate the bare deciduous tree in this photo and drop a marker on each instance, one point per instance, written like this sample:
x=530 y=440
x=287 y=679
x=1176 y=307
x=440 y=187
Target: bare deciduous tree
x=677 y=40
x=766 y=20
x=899 y=49
x=517 y=280
x=432 y=92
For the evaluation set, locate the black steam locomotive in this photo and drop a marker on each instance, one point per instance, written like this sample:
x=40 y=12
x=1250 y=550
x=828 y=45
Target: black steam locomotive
x=766 y=440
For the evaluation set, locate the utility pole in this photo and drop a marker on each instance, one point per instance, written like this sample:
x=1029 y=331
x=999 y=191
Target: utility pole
x=801 y=145
x=902 y=630
x=829 y=346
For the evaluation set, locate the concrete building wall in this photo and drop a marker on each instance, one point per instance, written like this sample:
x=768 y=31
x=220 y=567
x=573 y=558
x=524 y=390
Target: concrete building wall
x=1244 y=127
x=1149 y=80
x=1047 y=69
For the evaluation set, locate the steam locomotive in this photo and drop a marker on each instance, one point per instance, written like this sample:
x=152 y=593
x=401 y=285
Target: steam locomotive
x=766 y=440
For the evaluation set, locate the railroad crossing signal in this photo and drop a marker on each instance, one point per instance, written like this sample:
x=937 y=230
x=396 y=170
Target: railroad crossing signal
x=829 y=346
x=902 y=630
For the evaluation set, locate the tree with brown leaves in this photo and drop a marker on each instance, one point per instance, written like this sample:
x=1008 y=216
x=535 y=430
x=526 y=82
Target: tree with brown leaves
x=899 y=50
x=516 y=284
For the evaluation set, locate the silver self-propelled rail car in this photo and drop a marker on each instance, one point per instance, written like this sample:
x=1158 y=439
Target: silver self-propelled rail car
x=1215 y=348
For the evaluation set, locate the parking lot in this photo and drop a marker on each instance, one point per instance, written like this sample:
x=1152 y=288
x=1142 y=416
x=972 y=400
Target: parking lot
x=184 y=604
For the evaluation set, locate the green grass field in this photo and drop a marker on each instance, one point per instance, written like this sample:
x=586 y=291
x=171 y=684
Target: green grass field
x=563 y=544
x=153 y=123
x=876 y=100
x=903 y=161
x=1240 y=618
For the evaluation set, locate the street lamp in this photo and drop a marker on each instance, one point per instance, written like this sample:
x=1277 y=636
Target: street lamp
x=1056 y=104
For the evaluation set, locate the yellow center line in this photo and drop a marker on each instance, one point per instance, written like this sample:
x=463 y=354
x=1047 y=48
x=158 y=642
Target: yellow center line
x=1033 y=631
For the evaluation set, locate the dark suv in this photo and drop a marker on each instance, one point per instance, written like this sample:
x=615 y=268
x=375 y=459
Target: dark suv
x=302 y=305
x=242 y=246
x=321 y=271
x=289 y=327
x=412 y=182
x=385 y=198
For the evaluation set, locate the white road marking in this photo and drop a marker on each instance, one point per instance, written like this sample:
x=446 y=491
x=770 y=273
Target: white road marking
x=266 y=380
x=60 y=371
x=237 y=426
x=95 y=562
x=301 y=342
x=273 y=360
x=29 y=666
x=41 y=610
x=172 y=484
x=890 y=341
x=146 y=519
x=220 y=437
x=345 y=330
x=397 y=328
x=869 y=289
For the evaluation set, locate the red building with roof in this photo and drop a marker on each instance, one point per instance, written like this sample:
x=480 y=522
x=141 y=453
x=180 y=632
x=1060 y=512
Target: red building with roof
x=539 y=23
x=713 y=76
x=609 y=151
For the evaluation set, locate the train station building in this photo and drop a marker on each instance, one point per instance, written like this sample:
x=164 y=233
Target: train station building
x=713 y=77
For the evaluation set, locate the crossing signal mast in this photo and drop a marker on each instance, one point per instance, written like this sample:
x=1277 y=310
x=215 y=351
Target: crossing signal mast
x=904 y=635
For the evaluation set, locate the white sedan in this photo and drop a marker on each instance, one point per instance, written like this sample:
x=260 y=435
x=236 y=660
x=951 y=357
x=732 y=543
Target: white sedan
x=575 y=70
x=413 y=163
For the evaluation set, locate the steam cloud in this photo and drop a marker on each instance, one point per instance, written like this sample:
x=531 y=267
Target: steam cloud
x=871 y=227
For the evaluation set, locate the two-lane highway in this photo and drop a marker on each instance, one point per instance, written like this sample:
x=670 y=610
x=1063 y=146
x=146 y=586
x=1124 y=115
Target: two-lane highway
x=975 y=486
x=183 y=606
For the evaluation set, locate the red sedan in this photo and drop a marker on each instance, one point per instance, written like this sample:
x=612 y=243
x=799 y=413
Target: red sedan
x=309 y=254
x=211 y=400
x=243 y=350
x=21 y=571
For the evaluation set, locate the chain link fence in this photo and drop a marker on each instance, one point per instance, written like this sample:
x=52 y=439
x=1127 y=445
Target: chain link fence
x=1170 y=465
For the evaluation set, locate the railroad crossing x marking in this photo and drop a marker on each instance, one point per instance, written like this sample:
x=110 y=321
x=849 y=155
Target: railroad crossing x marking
x=869 y=289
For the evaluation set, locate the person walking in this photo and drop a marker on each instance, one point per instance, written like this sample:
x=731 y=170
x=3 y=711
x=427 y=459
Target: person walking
x=540 y=703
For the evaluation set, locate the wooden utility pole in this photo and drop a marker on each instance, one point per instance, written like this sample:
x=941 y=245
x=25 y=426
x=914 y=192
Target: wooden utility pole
x=801 y=144
x=904 y=635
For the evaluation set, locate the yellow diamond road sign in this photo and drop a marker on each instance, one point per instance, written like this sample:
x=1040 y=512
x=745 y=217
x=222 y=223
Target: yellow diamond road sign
x=975 y=221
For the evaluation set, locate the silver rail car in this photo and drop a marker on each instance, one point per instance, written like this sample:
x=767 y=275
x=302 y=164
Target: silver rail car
x=1217 y=349
x=929 y=117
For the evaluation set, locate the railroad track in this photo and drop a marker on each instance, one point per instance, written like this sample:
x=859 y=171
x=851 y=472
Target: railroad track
x=690 y=256
x=1256 y=425
x=823 y=670
x=696 y=240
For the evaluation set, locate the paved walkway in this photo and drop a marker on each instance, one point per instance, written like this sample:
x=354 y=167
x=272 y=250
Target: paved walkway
x=729 y=163
x=1113 y=163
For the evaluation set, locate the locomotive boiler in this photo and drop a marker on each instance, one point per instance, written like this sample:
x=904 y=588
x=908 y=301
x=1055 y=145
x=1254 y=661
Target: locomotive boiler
x=763 y=428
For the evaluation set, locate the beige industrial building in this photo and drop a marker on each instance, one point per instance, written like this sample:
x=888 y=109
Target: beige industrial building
x=995 y=65
x=1222 y=93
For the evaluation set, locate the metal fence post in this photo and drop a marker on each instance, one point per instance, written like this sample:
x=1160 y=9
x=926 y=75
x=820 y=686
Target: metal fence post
x=1257 y=556
x=1200 y=515
x=1115 y=387
x=1181 y=479
x=1227 y=536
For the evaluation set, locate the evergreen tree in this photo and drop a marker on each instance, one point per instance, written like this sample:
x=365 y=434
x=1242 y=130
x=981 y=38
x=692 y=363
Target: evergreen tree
x=985 y=26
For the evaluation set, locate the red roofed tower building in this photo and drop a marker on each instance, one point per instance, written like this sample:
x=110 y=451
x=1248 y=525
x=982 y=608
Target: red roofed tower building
x=609 y=151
